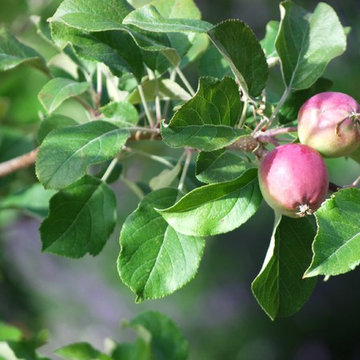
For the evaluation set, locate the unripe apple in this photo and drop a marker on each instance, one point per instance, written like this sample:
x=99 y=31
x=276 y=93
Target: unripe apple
x=293 y=180
x=329 y=123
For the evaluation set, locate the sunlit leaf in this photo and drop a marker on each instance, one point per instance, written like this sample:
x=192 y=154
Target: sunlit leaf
x=337 y=243
x=57 y=90
x=14 y=53
x=216 y=208
x=307 y=42
x=219 y=166
x=66 y=153
x=207 y=121
x=239 y=46
x=167 y=341
x=155 y=260
x=148 y=18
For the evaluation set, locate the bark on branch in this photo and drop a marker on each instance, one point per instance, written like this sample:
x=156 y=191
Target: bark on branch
x=18 y=163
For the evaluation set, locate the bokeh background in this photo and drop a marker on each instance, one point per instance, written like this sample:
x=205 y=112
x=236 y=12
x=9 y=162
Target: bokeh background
x=84 y=300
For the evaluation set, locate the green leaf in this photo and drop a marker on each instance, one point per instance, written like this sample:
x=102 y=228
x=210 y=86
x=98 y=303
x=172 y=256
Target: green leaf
x=212 y=63
x=183 y=9
x=216 y=208
x=55 y=121
x=122 y=113
x=8 y=332
x=219 y=166
x=347 y=30
x=151 y=41
x=6 y=353
x=139 y=3
x=199 y=44
x=157 y=61
x=66 y=153
x=57 y=90
x=81 y=351
x=158 y=51
x=33 y=200
x=307 y=42
x=92 y=15
x=78 y=351
x=337 y=243
x=98 y=16
x=22 y=348
x=167 y=341
x=268 y=42
x=279 y=287
x=181 y=42
x=81 y=219
x=289 y=111
x=239 y=46
x=177 y=9
x=207 y=121
x=155 y=260
x=166 y=89
x=116 y=49
x=139 y=350
x=43 y=30
x=14 y=53
x=148 y=18
x=166 y=177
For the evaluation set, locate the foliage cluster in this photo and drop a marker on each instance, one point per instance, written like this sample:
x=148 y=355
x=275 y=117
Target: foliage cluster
x=123 y=63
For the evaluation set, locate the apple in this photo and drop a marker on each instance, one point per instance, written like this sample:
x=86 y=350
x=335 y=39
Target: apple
x=293 y=180
x=329 y=122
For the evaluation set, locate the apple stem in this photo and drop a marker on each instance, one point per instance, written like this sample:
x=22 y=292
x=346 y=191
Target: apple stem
x=145 y=105
x=185 y=169
x=109 y=169
x=281 y=102
x=268 y=136
x=275 y=132
x=356 y=182
x=185 y=81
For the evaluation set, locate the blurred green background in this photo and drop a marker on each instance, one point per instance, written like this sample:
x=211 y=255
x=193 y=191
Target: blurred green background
x=84 y=300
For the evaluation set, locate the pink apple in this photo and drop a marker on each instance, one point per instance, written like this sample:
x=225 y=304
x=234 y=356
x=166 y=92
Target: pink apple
x=329 y=123
x=293 y=179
